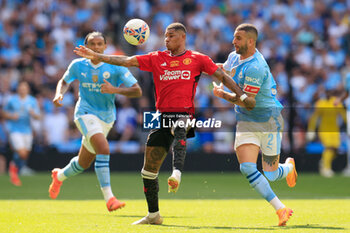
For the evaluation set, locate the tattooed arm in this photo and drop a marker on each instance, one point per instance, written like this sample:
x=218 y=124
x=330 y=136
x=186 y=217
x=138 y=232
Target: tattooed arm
x=111 y=59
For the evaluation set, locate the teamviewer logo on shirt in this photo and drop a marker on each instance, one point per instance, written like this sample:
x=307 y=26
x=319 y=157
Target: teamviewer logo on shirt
x=151 y=120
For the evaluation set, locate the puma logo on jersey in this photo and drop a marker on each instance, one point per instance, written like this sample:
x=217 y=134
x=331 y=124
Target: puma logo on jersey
x=84 y=74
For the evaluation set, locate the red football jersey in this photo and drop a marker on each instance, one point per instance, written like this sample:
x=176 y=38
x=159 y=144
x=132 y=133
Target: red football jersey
x=176 y=77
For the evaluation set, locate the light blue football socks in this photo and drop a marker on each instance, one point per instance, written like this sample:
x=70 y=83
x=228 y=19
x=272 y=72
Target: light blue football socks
x=103 y=175
x=102 y=170
x=280 y=173
x=257 y=180
x=72 y=169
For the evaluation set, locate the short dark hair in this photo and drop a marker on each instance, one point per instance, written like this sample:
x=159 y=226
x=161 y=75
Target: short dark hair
x=93 y=34
x=249 y=28
x=177 y=27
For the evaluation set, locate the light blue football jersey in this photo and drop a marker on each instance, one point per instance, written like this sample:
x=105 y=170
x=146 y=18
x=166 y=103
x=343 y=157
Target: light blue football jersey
x=16 y=105
x=253 y=76
x=90 y=76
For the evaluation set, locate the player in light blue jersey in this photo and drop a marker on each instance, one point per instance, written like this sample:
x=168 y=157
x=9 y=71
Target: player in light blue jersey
x=18 y=111
x=259 y=128
x=94 y=115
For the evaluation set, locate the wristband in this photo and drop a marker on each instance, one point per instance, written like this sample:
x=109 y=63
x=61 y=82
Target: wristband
x=243 y=97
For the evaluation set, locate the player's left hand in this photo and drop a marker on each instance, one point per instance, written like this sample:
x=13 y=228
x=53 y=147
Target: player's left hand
x=108 y=88
x=249 y=103
x=84 y=52
x=220 y=65
x=57 y=101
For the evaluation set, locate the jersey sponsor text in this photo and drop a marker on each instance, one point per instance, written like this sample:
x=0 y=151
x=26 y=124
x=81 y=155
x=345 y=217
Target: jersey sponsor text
x=175 y=75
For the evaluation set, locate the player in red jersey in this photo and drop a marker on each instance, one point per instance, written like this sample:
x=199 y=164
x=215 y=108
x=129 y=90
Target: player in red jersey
x=175 y=74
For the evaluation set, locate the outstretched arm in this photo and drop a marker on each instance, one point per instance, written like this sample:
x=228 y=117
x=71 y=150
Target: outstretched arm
x=61 y=88
x=248 y=101
x=111 y=59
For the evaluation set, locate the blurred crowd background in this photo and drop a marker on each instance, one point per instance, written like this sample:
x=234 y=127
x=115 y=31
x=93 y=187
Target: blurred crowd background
x=305 y=42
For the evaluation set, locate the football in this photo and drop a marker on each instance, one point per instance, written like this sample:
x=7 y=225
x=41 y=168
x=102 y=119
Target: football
x=136 y=31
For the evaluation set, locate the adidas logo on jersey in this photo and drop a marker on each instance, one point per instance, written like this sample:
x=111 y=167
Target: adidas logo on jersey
x=163 y=64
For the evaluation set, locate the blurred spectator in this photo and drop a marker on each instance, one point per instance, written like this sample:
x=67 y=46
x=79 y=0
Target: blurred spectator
x=57 y=133
x=125 y=126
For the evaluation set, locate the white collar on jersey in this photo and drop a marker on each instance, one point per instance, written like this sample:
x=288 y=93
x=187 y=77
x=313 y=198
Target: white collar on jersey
x=93 y=65
x=248 y=58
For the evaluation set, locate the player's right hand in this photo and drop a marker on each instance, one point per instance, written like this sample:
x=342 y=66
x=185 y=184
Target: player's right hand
x=218 y=90
x=84 y=52
x=57 y=101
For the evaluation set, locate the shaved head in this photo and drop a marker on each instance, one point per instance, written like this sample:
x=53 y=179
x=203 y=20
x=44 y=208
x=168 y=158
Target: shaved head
x=177 y=27
x=250 y=29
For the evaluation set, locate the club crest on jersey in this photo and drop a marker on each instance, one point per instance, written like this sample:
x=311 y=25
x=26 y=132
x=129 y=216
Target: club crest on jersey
x=174 y=63
x=187 y=61
x=94 y=78
x=94 y=75
x=106 y=75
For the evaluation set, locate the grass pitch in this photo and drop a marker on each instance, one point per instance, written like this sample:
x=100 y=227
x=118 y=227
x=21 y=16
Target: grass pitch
x=206 y=202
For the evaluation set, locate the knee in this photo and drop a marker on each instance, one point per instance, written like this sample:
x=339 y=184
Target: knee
x=23 y=154
x=271 y=176
x=100 y=144
x=103 y=150
x=248 y=169
x=149 y=175
x=85 y=165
